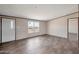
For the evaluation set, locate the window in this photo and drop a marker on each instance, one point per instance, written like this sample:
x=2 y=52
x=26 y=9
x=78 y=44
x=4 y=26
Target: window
x=33 y=26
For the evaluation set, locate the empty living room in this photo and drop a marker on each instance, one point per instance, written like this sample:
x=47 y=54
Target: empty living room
x=39 y=29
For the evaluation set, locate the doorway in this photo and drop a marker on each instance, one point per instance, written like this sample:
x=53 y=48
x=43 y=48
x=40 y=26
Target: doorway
x=73 y=29
x=8 y=30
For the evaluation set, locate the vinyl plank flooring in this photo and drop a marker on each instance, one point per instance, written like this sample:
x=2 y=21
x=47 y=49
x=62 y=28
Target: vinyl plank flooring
x=44 y=44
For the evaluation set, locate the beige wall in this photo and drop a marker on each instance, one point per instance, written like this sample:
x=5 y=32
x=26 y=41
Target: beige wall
x=22 y=29
x=58 y=27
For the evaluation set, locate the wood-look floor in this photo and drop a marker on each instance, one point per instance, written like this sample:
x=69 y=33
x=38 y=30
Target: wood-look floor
x=41 y=45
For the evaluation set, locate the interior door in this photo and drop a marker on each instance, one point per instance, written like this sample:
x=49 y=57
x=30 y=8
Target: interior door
x=8 y=30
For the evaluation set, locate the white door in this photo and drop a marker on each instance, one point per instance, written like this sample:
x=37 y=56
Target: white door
x=8 y=30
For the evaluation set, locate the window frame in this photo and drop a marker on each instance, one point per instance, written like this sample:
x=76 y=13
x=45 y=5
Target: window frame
x=33 y=26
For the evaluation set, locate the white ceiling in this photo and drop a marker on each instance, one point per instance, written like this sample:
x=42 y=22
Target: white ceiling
x=38 y=11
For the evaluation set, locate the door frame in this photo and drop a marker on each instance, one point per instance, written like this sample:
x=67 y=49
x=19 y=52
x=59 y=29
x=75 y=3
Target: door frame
x=1 y=28
x=68 y=28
